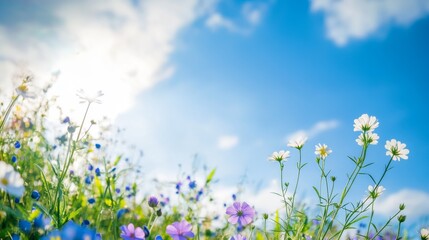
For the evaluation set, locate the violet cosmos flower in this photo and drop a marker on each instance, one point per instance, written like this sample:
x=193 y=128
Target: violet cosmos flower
x=238 y=237
x=131 y=233
x=241 y=213
x=180 y=230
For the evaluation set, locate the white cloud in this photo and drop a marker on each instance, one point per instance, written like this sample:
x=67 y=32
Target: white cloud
x=216 y=21
x=250 y=16
x=113 y=46
x=416 y=203
x=227 y=142
x=358 y=19
x=253 y=12
x=315 y=130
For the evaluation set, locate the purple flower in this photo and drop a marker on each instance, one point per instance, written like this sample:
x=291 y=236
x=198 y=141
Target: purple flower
x=131 y=233
x=153 y=202
x=241 y=213
x=238 y=237
x=66 y=120
x=180 y=230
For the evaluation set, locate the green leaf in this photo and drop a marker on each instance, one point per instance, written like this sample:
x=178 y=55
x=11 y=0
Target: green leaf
x=210 y=176
x=74 y=213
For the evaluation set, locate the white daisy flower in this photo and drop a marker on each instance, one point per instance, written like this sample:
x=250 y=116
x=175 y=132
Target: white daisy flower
x=424 y=233
x=374 y=193
x=368 y=137
x=365 y=123
x=279 y=156
x=10 y=180
x=297 y=142
x=89 y=98
x=322 y=151
x=396 y=150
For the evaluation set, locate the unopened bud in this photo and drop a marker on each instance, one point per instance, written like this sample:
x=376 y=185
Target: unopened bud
x=159 y=212
x=401 y=206
x=402 y=218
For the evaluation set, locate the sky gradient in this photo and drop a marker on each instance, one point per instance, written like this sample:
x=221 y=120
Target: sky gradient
x=230 y=81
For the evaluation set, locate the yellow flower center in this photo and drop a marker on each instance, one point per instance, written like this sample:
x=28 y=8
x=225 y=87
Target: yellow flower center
x=23 y=88
x=323 y=152
x=4 y=181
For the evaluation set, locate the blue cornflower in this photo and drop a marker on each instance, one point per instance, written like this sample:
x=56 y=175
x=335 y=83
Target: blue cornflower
x=97 y=172
x=121 y=212
x=35 y=195
x=15 y=236
x=73 y=231
x=97 y=145
x=234 y=197
x=85 y=223
x=90 y=167
x=24 y=226
x=91 y=201
x=192 y=184
x=14 y=159
x=17 y=200
x=146 y=231
x=158 y=237
x=41 y=222
x=127 y=188
x=88 y=180
x=117 y=190
x=17 y=144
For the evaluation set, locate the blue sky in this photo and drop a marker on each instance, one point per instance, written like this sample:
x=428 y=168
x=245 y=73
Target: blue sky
x=230 y=81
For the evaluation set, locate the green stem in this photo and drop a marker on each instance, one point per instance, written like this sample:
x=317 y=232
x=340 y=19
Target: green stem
x=299 y=166
x=284 y=196
x=346 y=189
x=370 y=219
x=8 y=110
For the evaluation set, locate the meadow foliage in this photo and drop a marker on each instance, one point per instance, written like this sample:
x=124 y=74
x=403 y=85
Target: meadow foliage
x=71 y=188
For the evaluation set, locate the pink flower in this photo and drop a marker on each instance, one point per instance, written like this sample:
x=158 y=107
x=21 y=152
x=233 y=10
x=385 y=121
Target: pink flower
x=131 y=233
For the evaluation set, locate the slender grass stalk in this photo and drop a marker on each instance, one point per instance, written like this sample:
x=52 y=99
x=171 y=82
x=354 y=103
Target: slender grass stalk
x=8 y=111
x=299 y=167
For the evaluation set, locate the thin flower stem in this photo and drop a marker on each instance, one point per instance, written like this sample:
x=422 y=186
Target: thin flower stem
x=299 y=166
x=385 y=225
x=346 y=190
x=69 y=157
x=352 y=215
x=370 y=219
x=399 y=231
x=8 y=110
x=284 y=196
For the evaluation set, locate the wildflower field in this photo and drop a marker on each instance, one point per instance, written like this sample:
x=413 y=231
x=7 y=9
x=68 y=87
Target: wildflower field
x=72 y=189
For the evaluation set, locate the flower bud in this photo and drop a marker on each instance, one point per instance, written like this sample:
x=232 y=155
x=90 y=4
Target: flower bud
x=401 y=206
x=402 y=218
x=153 y=202
x=265 y=216
x=333 y=178
x=159 y=213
